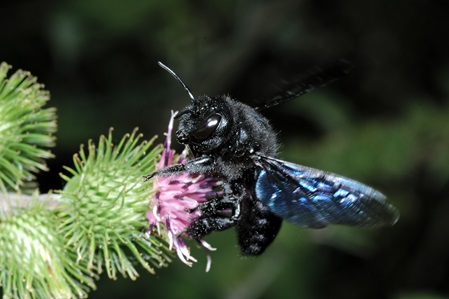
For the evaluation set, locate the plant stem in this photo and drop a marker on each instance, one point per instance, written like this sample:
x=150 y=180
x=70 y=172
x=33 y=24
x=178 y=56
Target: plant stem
x=14 y=201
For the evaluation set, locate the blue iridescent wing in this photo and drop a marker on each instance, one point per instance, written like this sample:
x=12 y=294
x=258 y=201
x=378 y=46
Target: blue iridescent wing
x=314 y=198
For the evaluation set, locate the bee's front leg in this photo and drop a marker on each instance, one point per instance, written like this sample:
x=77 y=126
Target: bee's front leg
x=201 y=165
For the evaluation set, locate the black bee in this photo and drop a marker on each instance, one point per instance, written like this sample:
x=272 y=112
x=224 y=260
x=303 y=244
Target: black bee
x=234 y=142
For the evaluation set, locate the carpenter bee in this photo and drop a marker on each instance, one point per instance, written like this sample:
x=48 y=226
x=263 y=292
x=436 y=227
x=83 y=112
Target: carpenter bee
x=234 y=142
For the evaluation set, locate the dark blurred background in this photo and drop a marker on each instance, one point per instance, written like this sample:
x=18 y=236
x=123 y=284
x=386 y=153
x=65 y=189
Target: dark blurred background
x=386 y=124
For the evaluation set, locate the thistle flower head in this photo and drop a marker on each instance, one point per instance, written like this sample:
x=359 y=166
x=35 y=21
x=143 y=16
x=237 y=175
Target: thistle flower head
x=176 y=199
x=26 y=129
x=33 y=261
x=105 y=200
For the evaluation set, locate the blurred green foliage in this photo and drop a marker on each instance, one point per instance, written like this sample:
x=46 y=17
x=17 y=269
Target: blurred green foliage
x=386 y=124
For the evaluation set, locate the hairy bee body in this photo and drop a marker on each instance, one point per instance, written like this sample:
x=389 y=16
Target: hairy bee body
x=234 y=142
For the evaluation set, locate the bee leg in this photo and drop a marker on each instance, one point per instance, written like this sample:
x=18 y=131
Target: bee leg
x=204 y=225
x=217 y=214
x=170 y=170
x=203 y=164
x=220 y=205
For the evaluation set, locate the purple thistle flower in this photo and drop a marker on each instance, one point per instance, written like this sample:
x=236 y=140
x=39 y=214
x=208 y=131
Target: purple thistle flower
x=176 y=199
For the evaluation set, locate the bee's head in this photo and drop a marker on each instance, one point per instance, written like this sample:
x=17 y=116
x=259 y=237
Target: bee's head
x=205 y=124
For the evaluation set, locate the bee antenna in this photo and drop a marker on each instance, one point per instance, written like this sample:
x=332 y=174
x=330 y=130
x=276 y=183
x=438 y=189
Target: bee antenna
x=315 y=78
x=177 y=78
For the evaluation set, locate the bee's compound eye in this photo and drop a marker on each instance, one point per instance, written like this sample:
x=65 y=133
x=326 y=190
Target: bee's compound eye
x=207 y=128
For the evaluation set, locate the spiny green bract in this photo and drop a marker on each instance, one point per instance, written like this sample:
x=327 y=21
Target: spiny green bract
x=105 y=201
x=33 y=261
x=25 y=129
